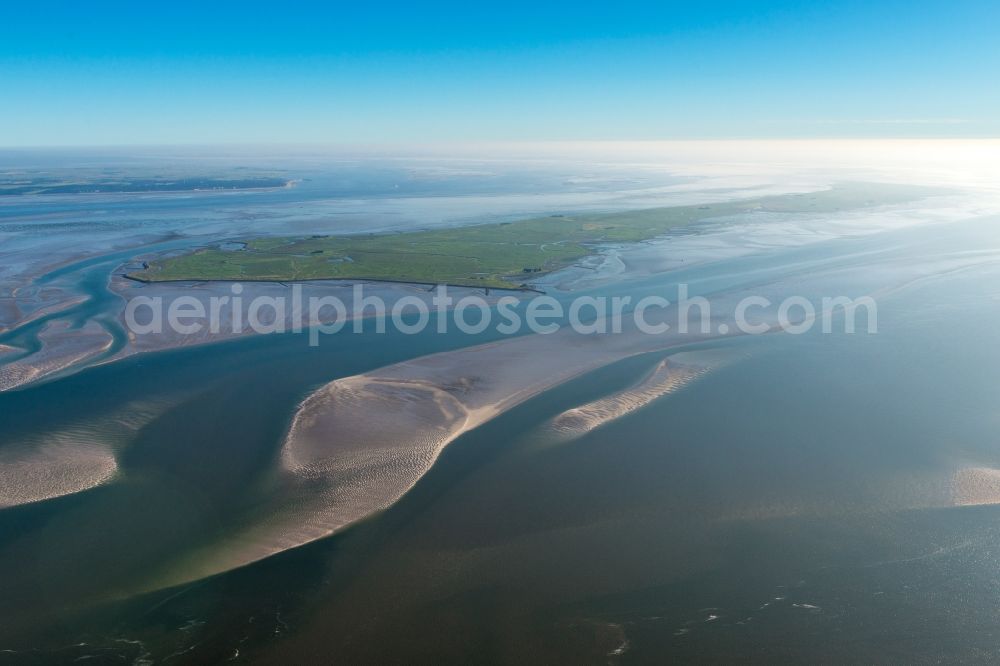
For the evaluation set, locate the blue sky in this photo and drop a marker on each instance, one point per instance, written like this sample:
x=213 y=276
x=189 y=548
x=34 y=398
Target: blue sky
x=100 y=73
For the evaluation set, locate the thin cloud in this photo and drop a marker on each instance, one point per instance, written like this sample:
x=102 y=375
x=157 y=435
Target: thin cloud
x=897 y=121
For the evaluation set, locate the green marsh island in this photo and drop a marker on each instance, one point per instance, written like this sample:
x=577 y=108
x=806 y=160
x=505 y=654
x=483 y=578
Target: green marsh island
x=507 y=255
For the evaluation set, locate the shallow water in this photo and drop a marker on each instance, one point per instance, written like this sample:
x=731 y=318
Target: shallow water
x=820 y=497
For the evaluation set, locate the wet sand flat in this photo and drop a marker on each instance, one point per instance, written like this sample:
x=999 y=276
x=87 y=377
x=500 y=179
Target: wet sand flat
x=61 y=347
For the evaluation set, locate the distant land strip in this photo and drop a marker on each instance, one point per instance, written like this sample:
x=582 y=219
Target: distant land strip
x=139 y=186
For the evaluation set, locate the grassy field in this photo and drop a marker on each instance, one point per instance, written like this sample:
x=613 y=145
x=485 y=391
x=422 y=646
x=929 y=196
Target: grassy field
x=505 y=255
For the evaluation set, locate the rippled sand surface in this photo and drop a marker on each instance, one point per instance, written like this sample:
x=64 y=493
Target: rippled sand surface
x=667 y=377
x=75 y=457
x=358 y=444
x=63 y=465
x=976 y=485
x=61 y=346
